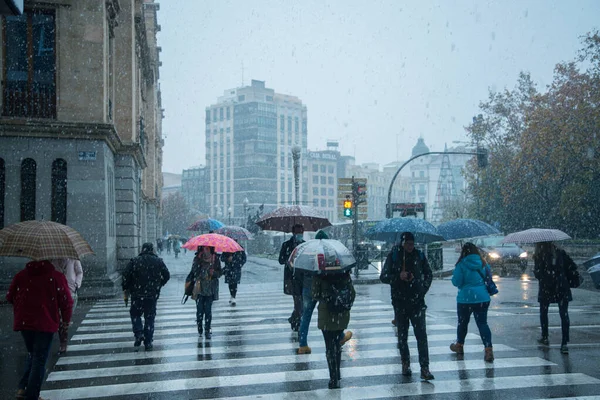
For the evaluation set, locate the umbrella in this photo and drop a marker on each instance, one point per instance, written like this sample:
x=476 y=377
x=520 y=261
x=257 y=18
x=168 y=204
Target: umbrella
x=235 y=232
x=536 y=235
x=206 y=224
x=42 y=240
x=389 y=230
x=219 y=242
x=284 y=218
x=322 y=255
x=465 y=228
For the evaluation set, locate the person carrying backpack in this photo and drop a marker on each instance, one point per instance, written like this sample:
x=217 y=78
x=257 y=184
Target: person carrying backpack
x=335 y=294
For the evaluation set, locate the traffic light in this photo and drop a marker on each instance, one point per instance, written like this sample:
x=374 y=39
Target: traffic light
x=348 y=207
x=482 y=157
x=359 y=191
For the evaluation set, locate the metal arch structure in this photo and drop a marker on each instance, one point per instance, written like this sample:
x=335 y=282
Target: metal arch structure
x=388 y=211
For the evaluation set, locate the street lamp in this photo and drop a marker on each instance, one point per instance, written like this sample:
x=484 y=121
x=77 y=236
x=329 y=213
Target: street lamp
x=246 y=202
x=296 y=157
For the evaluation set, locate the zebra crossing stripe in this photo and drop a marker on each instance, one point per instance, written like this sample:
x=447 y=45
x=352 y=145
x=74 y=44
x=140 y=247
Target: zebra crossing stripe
x=281 y=377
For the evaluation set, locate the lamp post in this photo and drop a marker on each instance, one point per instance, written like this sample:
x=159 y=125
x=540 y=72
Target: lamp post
x=296 y=158
x=246 y=202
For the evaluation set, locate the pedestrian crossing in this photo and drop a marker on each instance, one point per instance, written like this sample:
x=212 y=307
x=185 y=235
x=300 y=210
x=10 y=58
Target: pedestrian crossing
x=252 y=355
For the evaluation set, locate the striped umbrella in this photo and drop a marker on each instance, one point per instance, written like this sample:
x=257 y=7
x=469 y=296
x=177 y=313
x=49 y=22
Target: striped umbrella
x=536 y=235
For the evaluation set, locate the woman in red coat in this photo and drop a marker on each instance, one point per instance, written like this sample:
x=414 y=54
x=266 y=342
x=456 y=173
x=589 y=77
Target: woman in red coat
x=40 y=297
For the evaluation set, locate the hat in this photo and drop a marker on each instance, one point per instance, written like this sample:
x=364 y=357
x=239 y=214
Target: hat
x=147 y=247
x=407 y=236
x=321 y=235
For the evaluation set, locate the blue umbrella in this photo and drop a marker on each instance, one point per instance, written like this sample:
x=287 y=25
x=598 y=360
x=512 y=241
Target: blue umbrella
x=206 y=224
x=465 y=228
x=389 y=230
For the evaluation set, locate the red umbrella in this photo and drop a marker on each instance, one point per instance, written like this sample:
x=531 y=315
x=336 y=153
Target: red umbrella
x=219 y=242
x=284 y=218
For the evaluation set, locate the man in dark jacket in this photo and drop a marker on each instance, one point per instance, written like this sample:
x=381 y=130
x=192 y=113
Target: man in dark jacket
x=142 y=279
x=292 y=283
x=407 y=271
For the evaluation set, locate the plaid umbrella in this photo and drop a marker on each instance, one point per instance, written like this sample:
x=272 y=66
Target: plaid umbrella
x=206 y=224
x=284 y=218
x=42 y=240
x=219 y=242
x=536 y=235
x=235 y=232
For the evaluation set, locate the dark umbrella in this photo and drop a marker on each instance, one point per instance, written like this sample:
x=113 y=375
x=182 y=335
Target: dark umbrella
x=206 y=224
x=465 y=228
x=389 y=230
x=235 y=232
x=284 y=218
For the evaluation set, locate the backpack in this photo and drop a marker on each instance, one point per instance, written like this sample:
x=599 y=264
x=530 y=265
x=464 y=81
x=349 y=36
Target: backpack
x=341 y=300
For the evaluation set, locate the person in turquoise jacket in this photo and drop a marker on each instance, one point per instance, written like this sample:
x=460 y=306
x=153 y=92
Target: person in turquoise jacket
x=473 y=298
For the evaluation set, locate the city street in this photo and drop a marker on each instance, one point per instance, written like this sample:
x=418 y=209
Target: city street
x=252 y=351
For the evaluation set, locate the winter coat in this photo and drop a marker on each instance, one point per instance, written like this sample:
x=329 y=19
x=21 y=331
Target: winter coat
x=292 y=282
x=205 y=283
x=145 y=275
x=322 y=291
x=468 y=277
x=40 y=296
x=551 y=270
x=233 y=269
x=411 y=293
x=72 y=270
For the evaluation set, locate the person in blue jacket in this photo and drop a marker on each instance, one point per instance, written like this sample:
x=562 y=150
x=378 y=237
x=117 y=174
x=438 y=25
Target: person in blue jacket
x=473 y=298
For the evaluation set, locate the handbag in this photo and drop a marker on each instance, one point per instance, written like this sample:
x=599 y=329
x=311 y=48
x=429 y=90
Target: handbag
x=188 y=290
x=490 y=285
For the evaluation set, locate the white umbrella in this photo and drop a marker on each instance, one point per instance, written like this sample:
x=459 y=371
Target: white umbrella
x=536 y=235
x=322 y=255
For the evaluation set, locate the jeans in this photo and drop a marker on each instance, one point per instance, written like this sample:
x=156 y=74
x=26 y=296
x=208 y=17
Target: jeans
x=333 y=353
x=563 y=311
x=479 y=311
x=38 y=346
x=308 y=306
x=204 y=310
x=415 y=315
x=146 y=307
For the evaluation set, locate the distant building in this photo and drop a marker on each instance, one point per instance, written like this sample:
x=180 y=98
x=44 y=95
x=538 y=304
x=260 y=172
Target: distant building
x=194 y=185
x=250 y=133
x=322 y=181
x=172 y=184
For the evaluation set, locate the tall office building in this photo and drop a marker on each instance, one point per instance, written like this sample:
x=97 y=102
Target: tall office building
x=250 y=133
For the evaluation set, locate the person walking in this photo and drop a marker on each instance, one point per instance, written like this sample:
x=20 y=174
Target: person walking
x=205 y=273
x=554 y=269
x=143 y=278
x=407 y=271
x=332 y=320
x=41 y=298
x=233 y=272
x=473 y=298
x=176 y=247
x=292 y=282
x=74 y=273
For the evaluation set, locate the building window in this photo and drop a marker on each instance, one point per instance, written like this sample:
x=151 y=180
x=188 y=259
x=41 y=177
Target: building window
x=323 y=191
x=59 y=191
x=269 y=98
x=296 y=125
x=323 y=168
x=28 y=184
x=30 y=65
x=2 y=191
x=330 y=180
x=289 y=126
x=315 y=179
x=323 y=203
x=323 y=180
x=281 y=123
x=421 y=174
x=315 y=202
x=330 y=202
x=221 y=114
x=330 y=191
x=315 y=168
x=228 y=113
x=330 y=169
x=241 y=97
x=208 y=116
x=315 y=191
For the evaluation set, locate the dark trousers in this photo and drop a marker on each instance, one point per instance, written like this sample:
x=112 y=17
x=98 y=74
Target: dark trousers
x=296 y=316
x=233 y=289
x=415 y=315
x=204 y=310
x=479 y=311
x=38 y=346
x=563 y=311
x=333 y=353
x=145 y=307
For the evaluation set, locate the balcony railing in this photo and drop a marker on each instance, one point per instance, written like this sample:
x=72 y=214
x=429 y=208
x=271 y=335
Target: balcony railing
x=29 y=101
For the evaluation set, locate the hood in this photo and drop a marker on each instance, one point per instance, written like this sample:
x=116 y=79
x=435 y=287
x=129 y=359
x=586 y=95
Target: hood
x=39 y=267
x=472 y=262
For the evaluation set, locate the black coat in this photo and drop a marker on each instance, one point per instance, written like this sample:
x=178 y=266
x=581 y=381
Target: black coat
x=292 y=283
x=233 y=269
x=145 y=275
x=412 y=293
x=551 y=270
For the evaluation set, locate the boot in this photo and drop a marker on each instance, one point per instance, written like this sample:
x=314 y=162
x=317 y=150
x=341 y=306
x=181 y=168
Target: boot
x=347 y=336
x=406 y=371
x=208 y=333
x=489 y=354
x=62 y=349
x=138 y=341
x=200 y=330
x=544 y=341
x=304 y=350
x=232 y=301
x=564 y=349
x=426 y=375
x=458 y=348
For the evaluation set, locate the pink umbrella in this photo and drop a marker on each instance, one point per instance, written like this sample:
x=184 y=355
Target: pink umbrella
x=219 y=242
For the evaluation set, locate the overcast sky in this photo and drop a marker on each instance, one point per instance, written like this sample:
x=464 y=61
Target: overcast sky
x=372 y=73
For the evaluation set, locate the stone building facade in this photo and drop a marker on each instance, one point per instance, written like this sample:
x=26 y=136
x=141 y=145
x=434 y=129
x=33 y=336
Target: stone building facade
x=80 y=127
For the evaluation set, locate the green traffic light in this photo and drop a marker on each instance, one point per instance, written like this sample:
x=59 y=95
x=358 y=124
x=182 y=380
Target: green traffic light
x=348 y=212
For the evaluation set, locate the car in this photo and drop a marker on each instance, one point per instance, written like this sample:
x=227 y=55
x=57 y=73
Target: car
x=502 y=256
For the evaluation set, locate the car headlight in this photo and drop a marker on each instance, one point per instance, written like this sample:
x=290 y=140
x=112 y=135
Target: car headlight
x=523 y=255
x=494 y=255
x=378 y=247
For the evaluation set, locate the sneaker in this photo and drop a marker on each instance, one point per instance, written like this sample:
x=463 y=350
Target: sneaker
x=200 y=330
x=564 y=349
x=62 y=349
x=347 y=336
x=208 y=334
x=458 y=348
x=304 y=350
x=544 y=340
x=232 y=301
x=425 y=374
x=148 y=346
x=334 y=384
x=406 y=371
x=137 y=342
